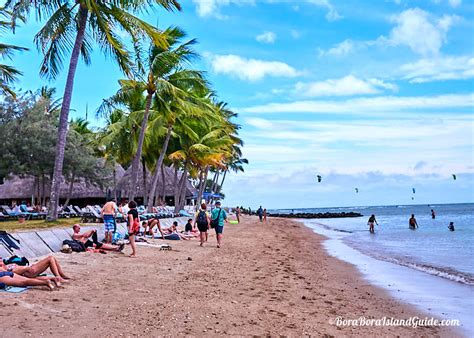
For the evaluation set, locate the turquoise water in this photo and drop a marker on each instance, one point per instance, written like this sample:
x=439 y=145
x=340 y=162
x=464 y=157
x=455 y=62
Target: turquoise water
x=432 y=248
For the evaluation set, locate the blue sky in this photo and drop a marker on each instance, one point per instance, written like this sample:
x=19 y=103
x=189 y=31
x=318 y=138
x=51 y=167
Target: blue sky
x=374 y=95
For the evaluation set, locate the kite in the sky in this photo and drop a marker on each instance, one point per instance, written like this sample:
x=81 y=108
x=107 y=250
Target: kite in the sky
x=454 y=177
x=357 y=190
x=413 y=189
x=319 y=178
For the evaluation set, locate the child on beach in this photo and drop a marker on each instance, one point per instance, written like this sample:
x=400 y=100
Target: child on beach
x=133 y=221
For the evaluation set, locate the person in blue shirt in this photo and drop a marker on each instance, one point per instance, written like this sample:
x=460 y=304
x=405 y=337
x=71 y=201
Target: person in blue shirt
x=219 y=214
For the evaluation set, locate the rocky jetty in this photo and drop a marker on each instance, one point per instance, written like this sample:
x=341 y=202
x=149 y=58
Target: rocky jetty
x=318 y=215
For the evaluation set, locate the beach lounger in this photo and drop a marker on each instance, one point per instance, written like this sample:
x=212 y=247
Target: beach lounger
x=9 y=242
x=12 y=213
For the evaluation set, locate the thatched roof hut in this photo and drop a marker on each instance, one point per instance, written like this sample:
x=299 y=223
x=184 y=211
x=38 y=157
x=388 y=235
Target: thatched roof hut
x=24 y=188
x=123 y=183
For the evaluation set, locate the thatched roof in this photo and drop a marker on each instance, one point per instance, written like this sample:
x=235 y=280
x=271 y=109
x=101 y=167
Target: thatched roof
x=15 y=187
x=24 y=188
x=123 y=183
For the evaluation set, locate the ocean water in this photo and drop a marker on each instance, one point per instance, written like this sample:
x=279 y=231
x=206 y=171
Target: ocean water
x=432 y=248
x=431 y=267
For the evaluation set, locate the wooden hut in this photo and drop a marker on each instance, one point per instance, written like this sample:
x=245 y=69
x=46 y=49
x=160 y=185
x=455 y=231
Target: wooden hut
x=15 y=188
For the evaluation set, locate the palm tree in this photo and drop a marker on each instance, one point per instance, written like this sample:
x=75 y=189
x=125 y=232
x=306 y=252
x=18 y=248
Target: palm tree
x=8 y=74
x=85 y=22
x=162 y=78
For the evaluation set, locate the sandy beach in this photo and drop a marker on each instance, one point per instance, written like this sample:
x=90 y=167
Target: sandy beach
x=267 y=279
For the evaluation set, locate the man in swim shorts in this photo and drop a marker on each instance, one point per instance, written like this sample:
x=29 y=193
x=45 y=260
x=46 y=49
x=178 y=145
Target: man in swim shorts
x=109 y=211
x=95 y=244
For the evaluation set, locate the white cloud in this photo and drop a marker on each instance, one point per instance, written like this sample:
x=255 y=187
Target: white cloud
x=343 y=48
x=250 y=69
x=332 y=14
x=211 y=8
x=441 y=68
x=345 y=86
x=455 y=3
x=420 y=31
x=295 y=34
x=374 y=105
x=266 y=37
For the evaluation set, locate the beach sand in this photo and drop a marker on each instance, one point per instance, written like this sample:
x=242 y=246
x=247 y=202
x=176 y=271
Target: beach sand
x=267 y=279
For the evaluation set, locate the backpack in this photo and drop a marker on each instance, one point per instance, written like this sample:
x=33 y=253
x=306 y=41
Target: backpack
x=202 y=218
x=75 y=246
x=16 y=260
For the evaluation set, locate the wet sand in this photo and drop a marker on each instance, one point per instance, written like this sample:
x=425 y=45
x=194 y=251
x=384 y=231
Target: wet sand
x=267 y=279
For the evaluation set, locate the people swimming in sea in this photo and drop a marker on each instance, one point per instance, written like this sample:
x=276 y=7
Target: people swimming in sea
x=412 y=224
x=451 y=226
x=433 y=214
x=371 y=223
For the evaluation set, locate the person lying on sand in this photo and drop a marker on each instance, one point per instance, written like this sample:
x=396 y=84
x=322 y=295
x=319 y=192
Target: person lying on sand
x=38 y=268
x=173 y=230
x=150 y=224
x=84 y=238
x=9 y=278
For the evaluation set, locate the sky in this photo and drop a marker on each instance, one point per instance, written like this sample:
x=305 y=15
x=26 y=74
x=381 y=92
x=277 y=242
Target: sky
x=373 y=95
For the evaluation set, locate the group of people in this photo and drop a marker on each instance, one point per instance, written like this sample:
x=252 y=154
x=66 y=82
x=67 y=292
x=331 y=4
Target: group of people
x=33 y=275
x=412 y=223
x=22 y=276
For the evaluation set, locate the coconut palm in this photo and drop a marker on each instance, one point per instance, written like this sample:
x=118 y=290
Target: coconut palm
x=85 y=22
x=8 y=74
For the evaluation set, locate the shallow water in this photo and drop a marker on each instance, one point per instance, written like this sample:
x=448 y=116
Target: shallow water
x=432 y=248
x=431 y=267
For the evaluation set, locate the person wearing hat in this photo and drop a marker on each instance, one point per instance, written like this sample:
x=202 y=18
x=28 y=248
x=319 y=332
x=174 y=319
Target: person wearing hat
x=218 y=217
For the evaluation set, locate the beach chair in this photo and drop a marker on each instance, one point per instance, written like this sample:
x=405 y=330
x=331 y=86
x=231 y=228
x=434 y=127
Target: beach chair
x=6 y=209
x=96 y=214
x=78 y=210
x=69 y=209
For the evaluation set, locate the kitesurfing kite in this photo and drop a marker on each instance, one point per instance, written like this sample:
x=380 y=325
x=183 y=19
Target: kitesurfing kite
x=454 y=177
x=357 y=190
x=319 y=178
x=413 y=189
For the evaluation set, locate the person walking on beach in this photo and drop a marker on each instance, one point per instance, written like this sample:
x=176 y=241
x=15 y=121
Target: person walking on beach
x=237 y=214
x=202 y=221
x=412 y=224
x=265 y=215
x=108 y=213
x=219 y=216
x=371 y=222
x=260 y=213
x=133 y=221
x=433 y=215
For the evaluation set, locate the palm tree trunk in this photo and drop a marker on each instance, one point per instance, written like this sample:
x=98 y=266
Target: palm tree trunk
x=159 y=163
x=71 y=187
x=163 y=182
x=144 y=181
x=175 y=184
x=214 y=180
x=63 y=117
x=43 y=191
x=202 y=185
x=138 y=155
x=115 y=183
x=223 y=179
x=182 y=184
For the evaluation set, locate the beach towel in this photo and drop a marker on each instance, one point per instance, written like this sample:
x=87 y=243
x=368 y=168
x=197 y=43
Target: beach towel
x=159 y=246
x=14 y=289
